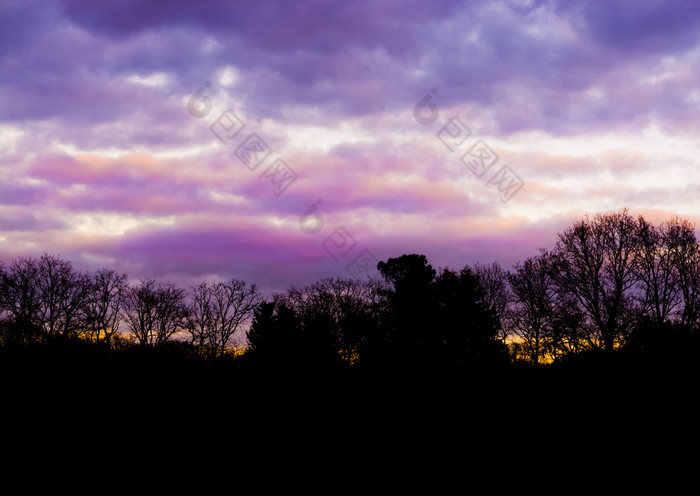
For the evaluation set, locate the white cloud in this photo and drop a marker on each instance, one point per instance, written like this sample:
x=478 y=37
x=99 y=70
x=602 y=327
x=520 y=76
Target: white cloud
x=154 y=79
x=228 y=75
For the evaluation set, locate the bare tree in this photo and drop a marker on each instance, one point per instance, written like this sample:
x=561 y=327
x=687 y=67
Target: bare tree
x=655 y=270
x=569 y=333
x=494 y=281
x=534 y=293
x=234 y=304
x=20 y=298
x=154 y=312
x=104 y=304
x=328 y=322
x=348 y=305
x=140 y=311
x=171 y=311
x=200 y=316
x=217 y=311
x=63 y=292
x=679 y=241
x=596 y=262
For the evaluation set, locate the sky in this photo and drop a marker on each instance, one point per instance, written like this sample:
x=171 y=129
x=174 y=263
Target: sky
x=284 y=142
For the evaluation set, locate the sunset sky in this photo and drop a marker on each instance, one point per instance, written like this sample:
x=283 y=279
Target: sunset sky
x=277 y=141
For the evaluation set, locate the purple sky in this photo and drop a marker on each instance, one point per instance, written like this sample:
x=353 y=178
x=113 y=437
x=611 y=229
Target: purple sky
x=592 y=106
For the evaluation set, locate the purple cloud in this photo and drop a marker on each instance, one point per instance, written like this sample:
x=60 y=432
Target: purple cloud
x=595 y=104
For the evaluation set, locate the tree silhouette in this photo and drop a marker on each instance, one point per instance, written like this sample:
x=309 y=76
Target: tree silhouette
x=200 y=317
x=20 y=299
x=410 y=309
x=612 y=286
x=154 y=312
x=533 y=301
x=438 y=322
x=679 y=241
x=493 y=279
x=468 y=325
x=217 y=311
x=346 y=306
x=103 y=308
x=274 y=337
x=64 y=292
x=656 y=272
x=596 y=261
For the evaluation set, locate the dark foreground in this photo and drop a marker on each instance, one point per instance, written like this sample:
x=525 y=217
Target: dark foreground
x=84 y=417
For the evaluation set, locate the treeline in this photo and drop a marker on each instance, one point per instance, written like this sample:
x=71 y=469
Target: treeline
x=46 y=298
x=612 y=283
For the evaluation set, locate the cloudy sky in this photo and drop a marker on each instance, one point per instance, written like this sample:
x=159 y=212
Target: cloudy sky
x=282 y=142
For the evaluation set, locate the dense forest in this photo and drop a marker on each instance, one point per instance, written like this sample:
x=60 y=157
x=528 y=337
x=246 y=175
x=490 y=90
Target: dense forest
x=613 y=285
